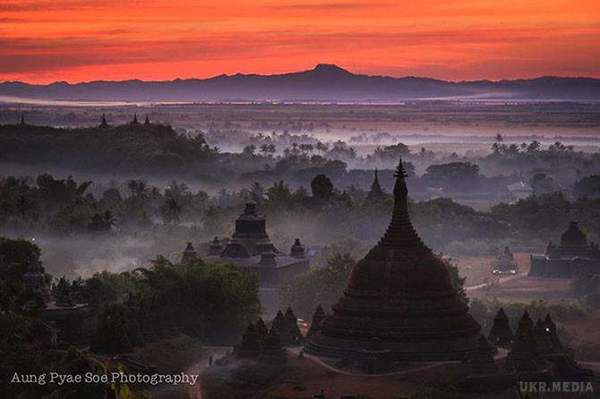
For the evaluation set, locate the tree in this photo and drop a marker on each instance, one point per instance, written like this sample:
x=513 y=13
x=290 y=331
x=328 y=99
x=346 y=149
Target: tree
x=391 y=152
x=319 y=286
x=306 y=148
x=171 y=211
x=321 y=147
x=15 y=258
x=452 y=176
x=24 y=205
x=342 y=151
x=322 y=188
x=256 y=193
x=280 y=193
x=534 y=147
x=111 y=331
x=498 y=146
x=541 y=183
x=138 y=188
x=268 y=149
x=102 y=222
x=249 y=150
x=588 y=186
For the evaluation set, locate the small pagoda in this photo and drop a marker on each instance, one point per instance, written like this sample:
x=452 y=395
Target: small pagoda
x=189 y=255
x=272 y=350
x=505 y=263
x=297 y=250
x=250 y=346
x=317 y=319
x=523 y=357
x=215 y=247
x=261 y=329
x=376 y=194
x=501 y=334
x=542 y=335
x=550 y=328
x=287 y=328
x=292 y=324
x=400 y=297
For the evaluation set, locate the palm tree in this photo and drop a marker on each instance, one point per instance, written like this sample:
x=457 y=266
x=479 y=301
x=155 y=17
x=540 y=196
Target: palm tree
x=171 y=211
x=322 y=147
x=23 y=206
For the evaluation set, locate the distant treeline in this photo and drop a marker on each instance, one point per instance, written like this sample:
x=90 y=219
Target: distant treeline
x=158 y=151
x=131 y=148
x=52 y=206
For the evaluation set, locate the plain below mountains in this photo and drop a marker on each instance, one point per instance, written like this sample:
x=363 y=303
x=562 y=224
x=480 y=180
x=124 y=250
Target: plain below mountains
x=324 y=83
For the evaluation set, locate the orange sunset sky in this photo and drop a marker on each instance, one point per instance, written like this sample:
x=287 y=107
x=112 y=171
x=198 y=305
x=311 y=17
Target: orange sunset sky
x=80 y=40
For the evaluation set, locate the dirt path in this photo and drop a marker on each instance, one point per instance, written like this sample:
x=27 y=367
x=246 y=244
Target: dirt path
x=187 y=391
x=296 y=352
x=217 y=352
x=429 y=365
x=501 y=281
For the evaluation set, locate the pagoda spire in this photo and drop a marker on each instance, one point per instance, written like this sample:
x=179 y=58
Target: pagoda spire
x=135 y=119
x=22 y=123
x=376 y=193
x=147 y=121
x=400 y=234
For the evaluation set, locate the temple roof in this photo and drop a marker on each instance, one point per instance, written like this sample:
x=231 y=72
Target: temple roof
x=573 y=244
x=250 y=237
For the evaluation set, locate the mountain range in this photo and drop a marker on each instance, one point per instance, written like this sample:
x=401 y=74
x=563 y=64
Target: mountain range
x=324 y=83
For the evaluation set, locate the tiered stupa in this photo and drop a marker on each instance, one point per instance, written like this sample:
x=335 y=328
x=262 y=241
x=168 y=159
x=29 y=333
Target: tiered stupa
x=399 y=296
x=250 y=237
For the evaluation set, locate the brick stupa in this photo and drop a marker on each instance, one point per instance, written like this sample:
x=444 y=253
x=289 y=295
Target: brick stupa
x=399 y=300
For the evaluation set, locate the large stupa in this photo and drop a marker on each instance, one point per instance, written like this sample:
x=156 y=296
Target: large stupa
x=400 y=304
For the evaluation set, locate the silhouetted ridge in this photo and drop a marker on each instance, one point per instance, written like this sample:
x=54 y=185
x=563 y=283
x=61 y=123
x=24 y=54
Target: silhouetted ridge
x=325 y=82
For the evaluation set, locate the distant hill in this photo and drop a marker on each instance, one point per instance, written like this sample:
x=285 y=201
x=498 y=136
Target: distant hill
x=323 y=83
